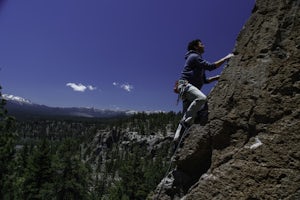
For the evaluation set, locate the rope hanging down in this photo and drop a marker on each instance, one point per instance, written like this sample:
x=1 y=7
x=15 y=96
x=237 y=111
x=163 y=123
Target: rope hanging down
x=171 y=161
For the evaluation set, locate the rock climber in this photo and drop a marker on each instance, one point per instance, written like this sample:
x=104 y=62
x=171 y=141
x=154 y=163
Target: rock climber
x=189 y=85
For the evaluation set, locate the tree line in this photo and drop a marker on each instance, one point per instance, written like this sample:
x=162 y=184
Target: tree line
x=47 y=159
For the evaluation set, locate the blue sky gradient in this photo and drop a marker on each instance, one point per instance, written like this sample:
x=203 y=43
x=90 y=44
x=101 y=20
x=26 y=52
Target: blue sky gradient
x=110 y=53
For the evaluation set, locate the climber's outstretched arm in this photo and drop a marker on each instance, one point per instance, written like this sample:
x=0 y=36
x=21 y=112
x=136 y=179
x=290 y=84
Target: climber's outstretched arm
x=222 y=60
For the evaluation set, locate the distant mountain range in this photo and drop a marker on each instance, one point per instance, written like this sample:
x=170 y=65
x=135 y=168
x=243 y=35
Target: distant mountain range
x=24 y=108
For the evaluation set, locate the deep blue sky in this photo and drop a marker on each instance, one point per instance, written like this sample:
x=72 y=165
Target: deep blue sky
x=126 y=54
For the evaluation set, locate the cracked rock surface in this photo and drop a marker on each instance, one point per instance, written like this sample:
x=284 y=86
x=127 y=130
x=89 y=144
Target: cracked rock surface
x=250 y=148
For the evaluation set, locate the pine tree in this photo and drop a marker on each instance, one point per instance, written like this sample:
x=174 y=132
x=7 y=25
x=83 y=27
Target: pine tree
x=39 y=182
x=132 y=183
x=73 y=179
x=7 y=149
x=21 y=161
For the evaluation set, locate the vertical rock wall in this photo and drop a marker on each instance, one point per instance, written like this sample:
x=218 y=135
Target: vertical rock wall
x=250 y=149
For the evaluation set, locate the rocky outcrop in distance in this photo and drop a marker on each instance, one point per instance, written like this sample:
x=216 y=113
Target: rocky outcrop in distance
x=250 y=147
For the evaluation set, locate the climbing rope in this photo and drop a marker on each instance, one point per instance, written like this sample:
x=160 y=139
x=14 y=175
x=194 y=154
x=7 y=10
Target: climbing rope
x=171 y=161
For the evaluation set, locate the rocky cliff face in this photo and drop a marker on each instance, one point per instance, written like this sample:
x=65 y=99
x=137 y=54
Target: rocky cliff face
x=250 y=148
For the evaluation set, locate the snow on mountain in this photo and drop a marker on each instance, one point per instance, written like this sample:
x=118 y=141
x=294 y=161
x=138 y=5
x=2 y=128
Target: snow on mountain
x=24 y=108
x=18 y=99
x=19 y=106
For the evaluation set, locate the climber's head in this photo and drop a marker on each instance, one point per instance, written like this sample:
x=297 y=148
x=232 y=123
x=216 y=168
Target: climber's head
x=196 y=45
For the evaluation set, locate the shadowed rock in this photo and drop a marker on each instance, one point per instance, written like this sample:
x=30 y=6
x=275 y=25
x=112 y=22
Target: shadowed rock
x=250 y=147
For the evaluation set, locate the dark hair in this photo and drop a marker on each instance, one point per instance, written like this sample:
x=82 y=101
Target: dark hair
x=192 y=44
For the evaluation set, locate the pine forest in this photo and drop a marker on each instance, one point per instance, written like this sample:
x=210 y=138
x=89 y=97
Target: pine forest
x=89 y=159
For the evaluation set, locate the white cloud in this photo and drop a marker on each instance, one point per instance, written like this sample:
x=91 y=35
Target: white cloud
x=80 y=87
x=90 y=87
x=127 y=87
